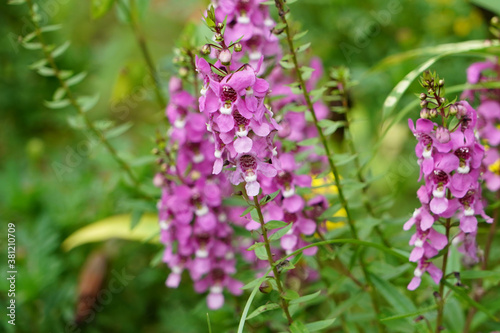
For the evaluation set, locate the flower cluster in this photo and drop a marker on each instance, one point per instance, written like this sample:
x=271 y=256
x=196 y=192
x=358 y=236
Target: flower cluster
x=488 y=119
x=450 y=160
x=193 y=220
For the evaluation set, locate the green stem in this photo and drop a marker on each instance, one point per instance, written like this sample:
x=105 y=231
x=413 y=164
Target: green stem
x=282 y=13
x=284 y=302
x=141 y=40
x=357 y=164
x=441 y=299
x=76 y=105
x=484 y=266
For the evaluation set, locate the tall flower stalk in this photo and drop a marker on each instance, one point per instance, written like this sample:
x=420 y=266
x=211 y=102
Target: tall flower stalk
x=450 y=158
x=282 y=11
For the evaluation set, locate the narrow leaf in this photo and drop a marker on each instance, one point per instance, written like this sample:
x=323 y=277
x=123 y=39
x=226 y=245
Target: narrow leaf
x=57 y=104
x=76 y=79
x=61 y=49
x=262 y=309
x=320 y=325
x=306 y=298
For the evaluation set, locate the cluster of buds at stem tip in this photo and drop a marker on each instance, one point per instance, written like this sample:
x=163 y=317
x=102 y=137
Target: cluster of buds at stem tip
x=221 y=49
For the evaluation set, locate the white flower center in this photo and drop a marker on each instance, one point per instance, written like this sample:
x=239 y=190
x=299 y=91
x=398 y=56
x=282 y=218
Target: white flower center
x=198 y=158
x=275 y=151
x=226 y=108
x=419 y=243
x=180 y=122
x=164 y=225
x=242 y=132
x=469 y=211
x=464 y=169
x=418 y=272
x=217 y=153
x=201 y=253
x=217 y=289
x=289 y=192
x=243 y=19
x=250 y=177
x=222 y=217
x=255 y=55
x=203 y=91
x=427 y=153
x=203 y=210
x=438 y=192
x=177 y=269
x=416 y=212
x=209 y=127
x=268 y=22
x=229 y=256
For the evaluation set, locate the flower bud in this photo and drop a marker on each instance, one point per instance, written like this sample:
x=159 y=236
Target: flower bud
x=220 y=25
x=441 y=82
x=423 y=96
x=155 y=151
x=423 y=104
x=453 y=110
x=238 y=47
x=495 y=20
x=206 y=49
x=218 y=37
x=424 y=113
x=225 y=57
x=433 y=113
x=443 y=134
x=265 y=287
x=183 y=72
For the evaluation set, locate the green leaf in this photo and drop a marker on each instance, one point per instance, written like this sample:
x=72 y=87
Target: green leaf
x=16 y=2
x=306 y=72
x=59 y=93
x=64 y=74
x=135 y=218
x=493 y=6
x=300 y=35
x=309 y=142
x=472 y=275
x=274 y=224
x=248 y=210
x=57 y=104
x=61 y=49
x=463 y=295
x=443 y=49
x=393 y=295
x=118 y=130
x=320 y=325
x=281 y=232
x=330 y=126
x=255 y=246
x=46 y=71
x=306 y=298
x=101 y=7
x=290 y=295
x=393 y=98
x=298 y=327
x=32 y=46
x=261 y=253
x=287 y=64
x=87 y=102
x=262 y=309
x=117 y=226
x=269 y=197
x=218 y=71
x=53 y=27
x=302 y=48
x=410 y=314
x=38 y=64
x=76 y=79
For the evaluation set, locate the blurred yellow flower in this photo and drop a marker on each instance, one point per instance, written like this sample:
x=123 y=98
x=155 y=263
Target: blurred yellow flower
x=326 y=185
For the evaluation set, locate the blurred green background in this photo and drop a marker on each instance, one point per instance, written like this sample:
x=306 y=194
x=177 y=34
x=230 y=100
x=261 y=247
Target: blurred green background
x=47 y=208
